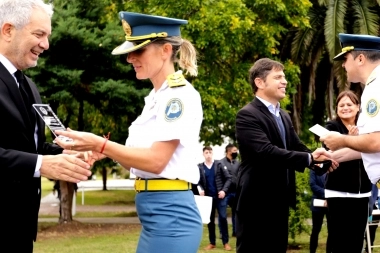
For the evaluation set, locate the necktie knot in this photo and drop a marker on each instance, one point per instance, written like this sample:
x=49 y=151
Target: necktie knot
x=20 y=77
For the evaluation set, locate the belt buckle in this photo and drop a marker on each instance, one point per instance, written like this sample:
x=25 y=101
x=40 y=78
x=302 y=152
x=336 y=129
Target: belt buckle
x=138 y=179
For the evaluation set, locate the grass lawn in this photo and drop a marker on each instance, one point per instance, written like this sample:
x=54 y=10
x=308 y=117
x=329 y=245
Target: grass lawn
x=122 y=238
x=46 y=186
x=110 y=197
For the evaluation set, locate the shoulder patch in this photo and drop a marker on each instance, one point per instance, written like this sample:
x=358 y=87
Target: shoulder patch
x=176 y=80
x=372 y=108
x=174 y=109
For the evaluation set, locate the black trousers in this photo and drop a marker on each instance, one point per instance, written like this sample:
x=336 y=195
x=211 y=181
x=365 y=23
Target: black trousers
x=347 y=220
x=317 y=219
x=263 y=230
x=17 y=245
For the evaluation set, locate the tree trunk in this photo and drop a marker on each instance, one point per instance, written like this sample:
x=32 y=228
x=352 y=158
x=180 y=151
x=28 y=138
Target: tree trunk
x=67 y=193
x=330 y=98
x=104 y=178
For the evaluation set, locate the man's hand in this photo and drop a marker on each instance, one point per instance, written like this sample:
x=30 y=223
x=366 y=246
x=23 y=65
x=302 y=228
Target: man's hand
x=202 y=193
x=65 y=167
x=221 y=194
x=88 y=156
x=333 y=140
x=321 y=154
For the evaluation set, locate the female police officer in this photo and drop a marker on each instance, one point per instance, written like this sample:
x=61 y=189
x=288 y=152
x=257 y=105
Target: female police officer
x=160 y=146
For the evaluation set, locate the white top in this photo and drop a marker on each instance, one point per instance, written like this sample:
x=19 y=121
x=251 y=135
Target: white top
x=170 y=114
x=369 y=121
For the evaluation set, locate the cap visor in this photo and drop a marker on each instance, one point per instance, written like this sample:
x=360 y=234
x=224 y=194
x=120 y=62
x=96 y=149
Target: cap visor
x=340 y=56
x=128 y=47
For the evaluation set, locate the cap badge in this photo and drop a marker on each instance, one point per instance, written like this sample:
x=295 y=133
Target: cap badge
x=127 y=28
x=372 y=108
x=347 y=49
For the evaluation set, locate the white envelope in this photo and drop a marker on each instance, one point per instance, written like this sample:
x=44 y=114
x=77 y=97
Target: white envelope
x=319 y=202
x=204 y=204
x=319 y=130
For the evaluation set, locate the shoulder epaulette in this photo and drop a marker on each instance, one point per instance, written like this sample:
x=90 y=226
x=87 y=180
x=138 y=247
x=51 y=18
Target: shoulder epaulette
x=176 y=80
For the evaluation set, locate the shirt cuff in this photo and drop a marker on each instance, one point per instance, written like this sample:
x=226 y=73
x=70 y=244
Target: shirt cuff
x=38 y=166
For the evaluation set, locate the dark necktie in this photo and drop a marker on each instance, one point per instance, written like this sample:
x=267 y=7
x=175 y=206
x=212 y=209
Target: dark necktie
x=281 y=127
x=27 y=96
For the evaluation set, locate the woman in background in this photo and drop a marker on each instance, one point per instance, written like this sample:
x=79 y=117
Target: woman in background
x=348 y=188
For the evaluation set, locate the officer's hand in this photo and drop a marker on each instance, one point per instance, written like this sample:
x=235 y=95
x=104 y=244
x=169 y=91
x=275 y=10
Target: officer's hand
x=333 y=140
x=88 y=156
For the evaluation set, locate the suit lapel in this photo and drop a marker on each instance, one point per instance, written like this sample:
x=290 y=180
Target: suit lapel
x=15 y=96
x=37 y=100
x=258 y=104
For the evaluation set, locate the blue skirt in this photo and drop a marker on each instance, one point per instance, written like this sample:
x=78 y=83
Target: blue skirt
x=170 y=220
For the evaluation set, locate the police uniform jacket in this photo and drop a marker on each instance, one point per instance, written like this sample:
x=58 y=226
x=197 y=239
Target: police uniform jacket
x=349 y=176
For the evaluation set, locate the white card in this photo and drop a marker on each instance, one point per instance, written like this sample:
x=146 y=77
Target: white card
x=319 y=130
x=319 y=202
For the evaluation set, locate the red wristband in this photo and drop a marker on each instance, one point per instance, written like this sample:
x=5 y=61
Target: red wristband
x=104 y=144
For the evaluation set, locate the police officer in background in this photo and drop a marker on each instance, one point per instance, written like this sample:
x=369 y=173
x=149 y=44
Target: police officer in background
x=360 y=58
x=232 y=164
x=162 y=141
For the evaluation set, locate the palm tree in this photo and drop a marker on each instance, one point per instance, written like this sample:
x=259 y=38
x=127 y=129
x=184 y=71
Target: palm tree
x=314 y=47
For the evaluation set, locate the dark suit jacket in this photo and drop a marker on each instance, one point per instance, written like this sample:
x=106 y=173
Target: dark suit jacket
x=21 y=192
x=266 y=175
x=222 y=178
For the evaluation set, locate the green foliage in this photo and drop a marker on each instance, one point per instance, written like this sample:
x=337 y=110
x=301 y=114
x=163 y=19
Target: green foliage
x=299 y=215
x=229 y=36
x=313 y=48
x=89 y=88
x=96 y=92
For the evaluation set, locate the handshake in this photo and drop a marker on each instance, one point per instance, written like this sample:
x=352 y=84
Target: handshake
x=321 y=162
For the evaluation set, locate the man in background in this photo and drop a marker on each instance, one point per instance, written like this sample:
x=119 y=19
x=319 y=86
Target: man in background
x=231 y=163
x=214 y=182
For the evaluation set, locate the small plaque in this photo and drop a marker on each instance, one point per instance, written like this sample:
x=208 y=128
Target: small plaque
x=50 y=119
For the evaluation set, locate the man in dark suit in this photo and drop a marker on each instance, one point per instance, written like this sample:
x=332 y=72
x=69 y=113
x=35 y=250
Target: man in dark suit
x=24 y=155
x=270 y=152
